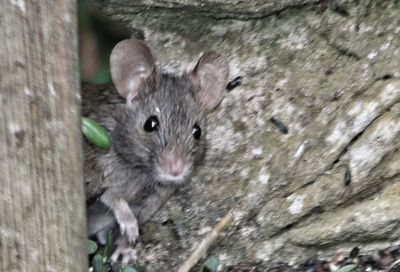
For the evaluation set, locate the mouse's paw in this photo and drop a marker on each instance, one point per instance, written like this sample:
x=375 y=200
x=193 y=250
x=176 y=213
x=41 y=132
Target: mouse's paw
x=128 y=225
x=130 y=230
x=124 y=251
x=101 y=237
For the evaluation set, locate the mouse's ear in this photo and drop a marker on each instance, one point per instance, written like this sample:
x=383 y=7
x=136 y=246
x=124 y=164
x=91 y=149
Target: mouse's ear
x=211 y=76
x=132 y=68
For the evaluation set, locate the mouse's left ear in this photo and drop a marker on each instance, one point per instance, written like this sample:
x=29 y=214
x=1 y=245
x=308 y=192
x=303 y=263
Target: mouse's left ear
x=132 y=69
x=211 y=77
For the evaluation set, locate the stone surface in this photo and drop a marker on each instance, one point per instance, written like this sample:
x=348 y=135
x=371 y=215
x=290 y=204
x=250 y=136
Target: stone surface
x=331 y=74
x=212 y=8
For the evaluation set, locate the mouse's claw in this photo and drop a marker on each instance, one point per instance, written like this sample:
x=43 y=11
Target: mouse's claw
x=125 y=251
x=129 y=230
x=128 y=226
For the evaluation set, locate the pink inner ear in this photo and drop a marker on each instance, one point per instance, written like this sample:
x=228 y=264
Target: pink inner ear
x=211 y=75
x=132 y=66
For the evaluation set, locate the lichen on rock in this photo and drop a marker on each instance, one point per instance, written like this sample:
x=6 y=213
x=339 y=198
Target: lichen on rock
x=333 y=79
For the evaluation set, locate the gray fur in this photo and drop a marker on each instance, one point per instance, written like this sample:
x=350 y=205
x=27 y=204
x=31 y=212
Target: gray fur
x=123 y=186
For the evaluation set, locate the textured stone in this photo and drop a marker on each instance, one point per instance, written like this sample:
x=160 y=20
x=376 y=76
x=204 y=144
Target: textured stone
x=212 y=8
x=333 y=79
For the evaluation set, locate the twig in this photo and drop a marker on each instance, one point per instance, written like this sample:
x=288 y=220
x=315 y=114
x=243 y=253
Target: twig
x=206 y=243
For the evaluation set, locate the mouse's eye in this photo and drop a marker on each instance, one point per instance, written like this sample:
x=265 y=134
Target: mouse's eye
x=151 y=124
x=196 y=131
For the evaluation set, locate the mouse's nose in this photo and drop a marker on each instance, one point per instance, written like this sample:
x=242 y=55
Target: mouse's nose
x=172 y=163
x=175 y=167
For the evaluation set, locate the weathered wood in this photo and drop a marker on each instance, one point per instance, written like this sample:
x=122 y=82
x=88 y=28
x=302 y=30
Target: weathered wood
x=42 y=215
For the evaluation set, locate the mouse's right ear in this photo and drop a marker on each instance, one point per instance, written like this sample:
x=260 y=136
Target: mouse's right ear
x=132 y=69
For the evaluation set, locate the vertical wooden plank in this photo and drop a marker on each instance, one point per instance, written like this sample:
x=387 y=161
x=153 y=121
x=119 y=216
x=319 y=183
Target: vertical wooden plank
x=42 y=215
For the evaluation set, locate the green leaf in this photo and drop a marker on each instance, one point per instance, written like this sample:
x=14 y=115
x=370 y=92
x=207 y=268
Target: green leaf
x=210 y=265
x=95 y=133
x=97 y=263
x=349 y=268
x=108 y=246
x=129 y=269
x=91 y=247
x=132 y=268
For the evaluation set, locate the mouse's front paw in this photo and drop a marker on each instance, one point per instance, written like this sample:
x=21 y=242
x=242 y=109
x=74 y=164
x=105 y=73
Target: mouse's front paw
x=129 y=229
x=125 y=251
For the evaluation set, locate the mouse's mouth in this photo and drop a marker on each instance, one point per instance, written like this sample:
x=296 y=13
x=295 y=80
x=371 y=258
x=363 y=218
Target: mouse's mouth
x=166 y=178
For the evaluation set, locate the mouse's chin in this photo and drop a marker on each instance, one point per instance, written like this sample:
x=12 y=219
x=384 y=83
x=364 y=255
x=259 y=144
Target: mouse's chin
x=166 y=179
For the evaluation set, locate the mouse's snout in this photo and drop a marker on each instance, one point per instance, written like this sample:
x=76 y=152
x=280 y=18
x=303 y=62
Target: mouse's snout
x=172 y=165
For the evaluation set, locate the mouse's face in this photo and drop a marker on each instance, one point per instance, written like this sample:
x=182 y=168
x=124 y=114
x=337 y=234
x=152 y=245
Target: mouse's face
x=164 y=127
x=165 y=132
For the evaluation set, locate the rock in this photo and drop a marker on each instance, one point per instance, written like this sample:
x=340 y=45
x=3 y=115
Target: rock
x=210 y=8
x=331 y=75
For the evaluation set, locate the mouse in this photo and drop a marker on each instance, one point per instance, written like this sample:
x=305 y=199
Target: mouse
x=157 y=124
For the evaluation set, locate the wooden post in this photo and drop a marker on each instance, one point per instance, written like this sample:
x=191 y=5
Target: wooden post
x=42 y=213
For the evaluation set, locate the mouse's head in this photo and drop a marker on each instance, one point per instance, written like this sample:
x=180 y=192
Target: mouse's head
x=163 y=127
